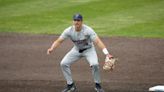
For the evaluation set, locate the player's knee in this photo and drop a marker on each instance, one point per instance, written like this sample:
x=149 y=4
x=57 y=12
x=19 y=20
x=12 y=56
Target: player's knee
x=63 y=64
x=95 y=66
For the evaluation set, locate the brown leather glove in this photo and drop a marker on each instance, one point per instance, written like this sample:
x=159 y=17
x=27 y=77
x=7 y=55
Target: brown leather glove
x=109 y=63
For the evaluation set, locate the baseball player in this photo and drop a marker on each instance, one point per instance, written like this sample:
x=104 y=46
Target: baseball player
x=83 y=37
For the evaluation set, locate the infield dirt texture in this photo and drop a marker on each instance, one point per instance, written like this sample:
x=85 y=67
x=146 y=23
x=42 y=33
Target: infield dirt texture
x=25 y=67
x=134 y=30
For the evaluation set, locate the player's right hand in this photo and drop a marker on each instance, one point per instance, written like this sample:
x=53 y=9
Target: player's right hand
x=49 y=51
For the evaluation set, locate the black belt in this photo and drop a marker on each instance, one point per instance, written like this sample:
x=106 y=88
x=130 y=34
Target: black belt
x=82 y=50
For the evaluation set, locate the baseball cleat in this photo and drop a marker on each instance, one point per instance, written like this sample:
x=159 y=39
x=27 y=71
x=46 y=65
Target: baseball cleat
x=98 y=88
x=70 y=88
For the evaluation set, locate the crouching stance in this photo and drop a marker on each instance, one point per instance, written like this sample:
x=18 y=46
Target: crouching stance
x=83 y=37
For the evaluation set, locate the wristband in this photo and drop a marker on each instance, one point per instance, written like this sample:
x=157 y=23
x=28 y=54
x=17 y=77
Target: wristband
x=105 y=51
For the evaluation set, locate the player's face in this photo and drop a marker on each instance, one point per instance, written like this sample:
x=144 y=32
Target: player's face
x=77 y=24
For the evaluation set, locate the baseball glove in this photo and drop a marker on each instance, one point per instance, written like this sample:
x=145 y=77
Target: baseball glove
x=109 y=63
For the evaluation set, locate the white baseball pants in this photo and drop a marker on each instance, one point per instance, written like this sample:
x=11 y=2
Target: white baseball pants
x=73 y=55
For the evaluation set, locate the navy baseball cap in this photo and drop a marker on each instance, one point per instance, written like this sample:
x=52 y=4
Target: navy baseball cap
x=77 y=17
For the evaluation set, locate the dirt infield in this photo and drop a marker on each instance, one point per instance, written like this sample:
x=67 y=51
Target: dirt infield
x=25 y=67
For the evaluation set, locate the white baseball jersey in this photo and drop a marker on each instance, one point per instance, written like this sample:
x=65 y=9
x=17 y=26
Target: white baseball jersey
x=83 y=39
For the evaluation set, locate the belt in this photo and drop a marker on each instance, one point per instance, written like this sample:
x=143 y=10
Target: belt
x=82 y=50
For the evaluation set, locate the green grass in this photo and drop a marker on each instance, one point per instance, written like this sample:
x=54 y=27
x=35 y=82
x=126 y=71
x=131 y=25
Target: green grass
x=129 y=18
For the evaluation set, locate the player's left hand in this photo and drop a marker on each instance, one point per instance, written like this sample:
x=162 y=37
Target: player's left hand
x=109 y=63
